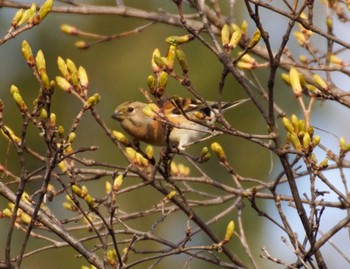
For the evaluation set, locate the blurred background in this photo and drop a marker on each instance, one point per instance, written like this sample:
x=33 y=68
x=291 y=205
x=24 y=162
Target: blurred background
x=117 y=70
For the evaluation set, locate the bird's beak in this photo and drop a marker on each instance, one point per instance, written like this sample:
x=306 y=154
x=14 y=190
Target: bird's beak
x=117 y=115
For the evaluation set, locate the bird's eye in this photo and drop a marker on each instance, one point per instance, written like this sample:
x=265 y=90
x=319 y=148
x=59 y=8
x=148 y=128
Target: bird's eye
x=130 y=109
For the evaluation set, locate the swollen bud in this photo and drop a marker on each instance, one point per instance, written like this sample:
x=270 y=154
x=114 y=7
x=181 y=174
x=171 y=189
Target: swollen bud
x=216 y=147
x=229 y=230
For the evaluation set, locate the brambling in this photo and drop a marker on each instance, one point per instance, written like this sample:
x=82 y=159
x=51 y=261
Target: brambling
x=177 y=121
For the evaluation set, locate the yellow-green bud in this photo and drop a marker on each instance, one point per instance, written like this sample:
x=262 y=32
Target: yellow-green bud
x=320 y=82
x=287 y=124
x=306 y=141
x=63 y=166
x=225 y=35
x=342 y=143
x=45 y=9
x=108 y=187
x=293 y=137
x=163 y=79
x=216 y=147
x=7 y=213
x=295 y=82
x=27 y=53
x=117 y=183
x=285 y=78
x=300 y=37
x=19 y=101
x=334 y=59
x=89 y=200
x=14 y=89
x=205 y=155
x=323 y=164
x=77 y=190
x=17 y=18
x=83 y=77
x=112 y=257
x=235 y=38
x=80 y=44
x=62 y=66
x=244 y=26
x=63 y=84
x=171 y=56
x=316 y=140
x=68 y=29
x=25 y=218
x=92 y=101
x=170 y=195
x=229 y=230
x=181 y=57
x=121 y=138
x=255 y=39
x=149 y=151
x=161 y=62
x=71 y=66
x=151 y=81
x=130 y=154
x=178 y=40
x=155 y=67
x=27 y=14
x=71 y=137
x=43 y=113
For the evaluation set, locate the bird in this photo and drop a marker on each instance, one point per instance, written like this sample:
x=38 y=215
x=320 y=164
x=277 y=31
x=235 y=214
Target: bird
x=176 y=121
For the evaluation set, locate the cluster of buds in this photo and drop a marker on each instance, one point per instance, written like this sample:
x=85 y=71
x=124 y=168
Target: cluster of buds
x=246 y=62
x=161 y=65
x=21 y=216
x=112 y=258
x=302 y=36
x=136 y=158
x=31 y=16
x=298 y=83
x=83 y=193
x=205 y=155
x=70 y=204
x=73 y=79
x=301 y=136
x=179 y=169
x=232 y=34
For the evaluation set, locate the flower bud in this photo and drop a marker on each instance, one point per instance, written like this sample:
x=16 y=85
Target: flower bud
x=27 y=14
x=17 y=18
x=181 y=57
x=229 y=230
x=80 y=44
x=171 y=56
x=68 y=29
x=287 y=124
x=255 y=39
x=121 y=138
x=216 y=147
x=63 y=84
x=295 y=82
x=151 y=81
x=178 y=40
x=235 y=38
x=306 y=141
x=45 y=9
x=149 y=151
x=83 y=77
x=27 y=53
x=40 y=62
x=92 y=101
x=62 y=66
x=320 y=82
x=19 y=101
x=225 y=35
x=155 y=67
x=117 y=183
x=108 y=187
